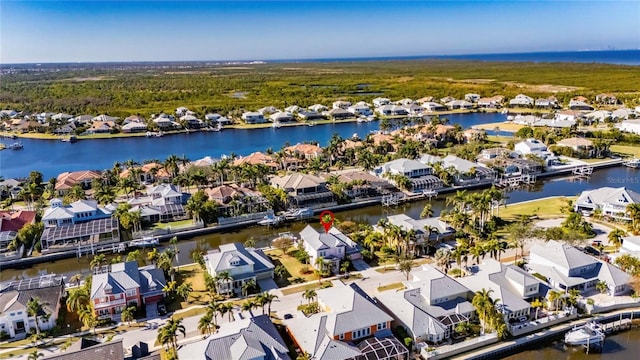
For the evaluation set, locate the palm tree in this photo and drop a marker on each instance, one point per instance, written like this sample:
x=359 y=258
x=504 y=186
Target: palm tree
x=170 y=288
x=168 y=334
x=171 y=164
x=77 y=299
x=127 y=314
x=280 y=271
x=214 y=308
x=249 y=304
x=633 y=210
x=184 y=290
x=443 y=257
x=304 y=356
x=554 y=296
x=268 y=298
x=427 y=211
x=405 y=265
x=537 y=304
x=602 y=286
x=35 y=355
x=204 y=324
x=320 y=268
x=247 y=286
x=309 y=294
x=97 y=261
x=615 y=238
x=481 y=301
x=224 y=278
x=35 y=309
x=86 y=316
x=228 y=308
x=76 y=279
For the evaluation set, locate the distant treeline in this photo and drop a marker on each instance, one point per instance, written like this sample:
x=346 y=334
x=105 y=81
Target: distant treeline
x=232 y=89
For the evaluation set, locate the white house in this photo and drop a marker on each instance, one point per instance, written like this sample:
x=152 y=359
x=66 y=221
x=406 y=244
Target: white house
x=419 y=174
x=253 y=117
x=521 y=100
x=472 y=97
x=318 y=108
x=281 y=116
x=360 y=109
x=630 y=126
x=622 y=114
x=433 y=106
x=579 y=105
x=333 y=246
x=612 y=202
x=77 y=212
x=377 y=102
x=392 y=110
x=268 y=110
x=459 y=104
x=15 y=321
x=533 y=147
x=344 y=105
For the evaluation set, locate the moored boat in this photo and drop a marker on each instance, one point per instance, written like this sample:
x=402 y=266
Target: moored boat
x=588 y=334
x=633 y=163
x=144 y=242
x=16 y=146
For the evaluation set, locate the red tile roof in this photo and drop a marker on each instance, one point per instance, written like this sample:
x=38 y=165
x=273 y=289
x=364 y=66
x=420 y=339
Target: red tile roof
x=14 y=221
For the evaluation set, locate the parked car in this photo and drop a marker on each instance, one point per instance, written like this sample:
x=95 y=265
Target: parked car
x=288 y=316
x=162 y=309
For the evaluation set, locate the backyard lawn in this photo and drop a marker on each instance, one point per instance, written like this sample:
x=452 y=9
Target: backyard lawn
x=195 y=275
x=174 y=224
x=628 y=150
x=542 y=208
x=293 y=266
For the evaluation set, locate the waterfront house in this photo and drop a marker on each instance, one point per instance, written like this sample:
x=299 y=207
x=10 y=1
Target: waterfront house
x=9 y=188
x=117 y=286
x=378 y=102
x=77 y=212
x=258 y=158
x=598 y=115
x=282 y=117
x=241 y=264
x=165 y=122
x=430 y=230
x=612 y=202
x=543 y=103
x=405 y=102
x=148 y=173
x=61 y=117
x=494 y=153
x=425 y=99
x=447 y=99
x=579 y=105
x=106 y=118
x=233 y=200
x=191 y=122
x=606 y=99
x=509 y=284
x=467 y=171
x=472 y=97
x=333 y=246
x=102 y=127
x=566 y=267
x=15 y=320
x=217 y=118
x=347 y=316
x=66 y=180
x=521 y=100
x=392 y=110
x=294 y=109
x=434 y=106
x=304 y=189
x=134 y=119
x=252 y=338
x=361 y=184
x=360 y=109
x=630 y=126
x=10 y=223
x=344 y=105
x=568 y=115
x=268 y=110
x=622 y=114
x=8 y=113
x=420 y=175
x=181 y=111
x=338 y=114
x=459 y=105
x=532 y=147
x=384 y=141
x=134 y=127
x=306 y=151
x=430 y=307
x=310 y=115
x=318 y=108
x=580 y=145
x=414 y=109
x=252 y=117
x=82 y=119
x=630 y=246
x=494 y=102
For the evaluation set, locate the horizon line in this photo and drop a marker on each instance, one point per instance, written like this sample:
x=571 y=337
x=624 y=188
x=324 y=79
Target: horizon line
x=424 y=56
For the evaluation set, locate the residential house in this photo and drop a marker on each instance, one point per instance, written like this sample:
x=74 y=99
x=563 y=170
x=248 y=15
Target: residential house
x=566 y=268
x=165 y=122
x=622 y=114
x=148 y=173
x=337 y=114
x=509 y=285
x=181 y=111
x=304 y=189
x=282 y=117
x=348 y=315
x=447 y=99
x=61 y=117
x=134 y=119
x=134 y=127
x=102 y=127
x=252 y=117
x=569 y=115
x=467 y=171
x=15 y=320
x=392 y=110
x=257 y=158
x=217 y=118
x=11 y=223
x=378 y=102
x=630 y=126
x=233 y=200
x=77 y=212
x=117 y=286
x=268 y=110
x=68 y=180
x=459 y=105
x=10 y=188
x=241 y=264
x=252 y=338
x=579 y=105
x=521 y=100
x=318 y=108
x=191 y=122
x=598 y=115
x=92 y=350
x=430 y=307
x=630 y=246
x=360 y=109
x=167 y=194
x=106 y=118
x=434 y=106
x=294 y=109
x=425 y=99
x=164 y=202
x=494 y=102
x=405 y=102
x=472 y=97
x=494 y=153
x=580 y=145
x=361 y=183
x=420 y=175
x=532 y=147
x=83 y=119
x=344 y=105
x=611 y=202
x=606 y=99
x=8 y=113
x=429 y=230
x=332 y=246
x=543 y=103
x=310 y=115
x=414 y=109
x=307 y=151
x=85 y=235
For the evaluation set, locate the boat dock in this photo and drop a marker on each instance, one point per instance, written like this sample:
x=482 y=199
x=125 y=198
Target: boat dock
x=633 y=163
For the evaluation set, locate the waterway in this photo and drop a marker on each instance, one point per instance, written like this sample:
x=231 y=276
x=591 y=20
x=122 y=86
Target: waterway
x=567 y=186
x=622 y=346
x=52 y=157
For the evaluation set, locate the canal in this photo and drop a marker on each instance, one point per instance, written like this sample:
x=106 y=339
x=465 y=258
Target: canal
x=567 y=186
x=52 y=157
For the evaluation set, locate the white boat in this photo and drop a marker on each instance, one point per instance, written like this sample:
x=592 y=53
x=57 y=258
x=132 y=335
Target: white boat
x=361 y=120
x=298 y=214
x=287 y=235
x=144 y=242
x=311 y=124
x=355 y=136
x=633 y=163
x=276 y=125
x=71 y=139
x=587 y=334
x=271 y=220
x=370 y=118
x=16 y=146
x=430 y=193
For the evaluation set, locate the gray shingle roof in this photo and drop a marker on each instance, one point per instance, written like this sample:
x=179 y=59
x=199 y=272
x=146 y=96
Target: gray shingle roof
x=608 y=195
x=125 y=276
x=563 y=255
x=230 y=253
x=90 y=350
x=326 y=240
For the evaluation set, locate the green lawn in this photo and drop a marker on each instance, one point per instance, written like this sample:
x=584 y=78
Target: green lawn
x=195 y=275
x=628 y=150
x=293 y=266
x=393 y=286
x=21 y=352
x=541 y=208
x=302 y=288
x=174 y=224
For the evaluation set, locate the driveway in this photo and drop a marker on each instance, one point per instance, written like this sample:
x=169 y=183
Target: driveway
x=360 y=265
x=267 y=284
x=152 y=310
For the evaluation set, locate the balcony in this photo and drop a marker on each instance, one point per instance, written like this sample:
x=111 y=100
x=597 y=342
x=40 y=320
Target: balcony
x=111 y=303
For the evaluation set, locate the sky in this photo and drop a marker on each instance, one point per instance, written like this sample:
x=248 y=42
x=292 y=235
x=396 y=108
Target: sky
x=102 y=31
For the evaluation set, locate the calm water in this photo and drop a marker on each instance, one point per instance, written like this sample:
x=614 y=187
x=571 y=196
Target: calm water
x=554 y=187
x=52 y=157
x=621 y=346
x=618 y=57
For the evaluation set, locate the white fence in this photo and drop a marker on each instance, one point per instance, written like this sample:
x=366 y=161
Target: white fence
x=446 y=351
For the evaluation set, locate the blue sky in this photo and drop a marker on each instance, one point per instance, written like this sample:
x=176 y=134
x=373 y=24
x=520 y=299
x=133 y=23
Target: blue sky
x=50 y=31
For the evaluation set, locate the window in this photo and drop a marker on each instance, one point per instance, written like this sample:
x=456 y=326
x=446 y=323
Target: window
x=382 y=326
x=131 y=292
x=341 y=337
x=12 y=314
x=19 y=312
x=361 y=333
